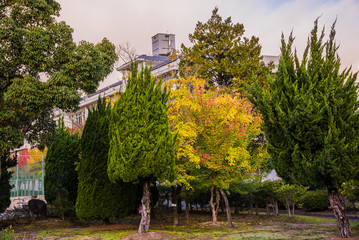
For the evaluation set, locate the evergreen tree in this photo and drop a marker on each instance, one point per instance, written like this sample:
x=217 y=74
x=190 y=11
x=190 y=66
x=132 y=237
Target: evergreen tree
x=35 y=45
x=141 y=144
x=61 y=178
x=222 y=55
x=98 y=197
x=6 y=162
x=311 y=120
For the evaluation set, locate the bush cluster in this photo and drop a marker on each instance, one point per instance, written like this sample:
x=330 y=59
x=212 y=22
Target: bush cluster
x=315 y=200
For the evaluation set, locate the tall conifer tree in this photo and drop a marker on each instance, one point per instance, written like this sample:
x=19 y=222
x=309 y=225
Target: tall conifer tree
x=61 y=178
x=222 y=55
x=311 y=120
x=141 y=144
x=98 y=197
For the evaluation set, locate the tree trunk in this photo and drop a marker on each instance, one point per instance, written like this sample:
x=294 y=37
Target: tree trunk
x=60 y=206
x=175 y=196
x=213 y=207
x=218 y=198
x=187 y=206
x=340 y=213
x=267 y=208
x=250 y=207
x=293 y=208
x=145 y=208
x=179 y=202
x=256 y=207
x=287 y=206
x=228 y=209
x=275 y=208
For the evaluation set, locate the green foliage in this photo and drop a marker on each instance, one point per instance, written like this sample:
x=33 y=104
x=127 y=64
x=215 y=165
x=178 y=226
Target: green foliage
x=98 y=197
x=61 y=205
x=7 y=234
x=61 y=179
x=141 y=144
x=291 y=194
x=315 y=200
x=350 y=191
x=221 y=54
x=310 y=115
x=35 y=45
x=5 y=162
x=271 y=188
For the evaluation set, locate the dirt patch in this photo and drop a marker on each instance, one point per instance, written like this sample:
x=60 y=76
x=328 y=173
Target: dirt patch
x=111 y=227
x=150 y=236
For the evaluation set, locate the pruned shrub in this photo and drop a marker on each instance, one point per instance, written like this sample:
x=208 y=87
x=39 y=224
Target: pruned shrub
x=315 y=200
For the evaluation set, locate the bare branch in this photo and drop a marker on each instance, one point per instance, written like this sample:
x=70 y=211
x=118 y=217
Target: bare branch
x=126 y=52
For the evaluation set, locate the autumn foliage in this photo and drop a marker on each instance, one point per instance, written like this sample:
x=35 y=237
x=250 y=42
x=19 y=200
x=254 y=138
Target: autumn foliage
x=214 y=131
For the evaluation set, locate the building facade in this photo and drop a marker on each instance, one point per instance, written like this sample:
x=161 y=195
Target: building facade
x=163 y=63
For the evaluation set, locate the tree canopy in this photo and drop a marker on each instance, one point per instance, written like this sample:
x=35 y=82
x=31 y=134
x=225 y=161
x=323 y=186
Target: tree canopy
x=222 y=55
x=41 y=68
x=214 y=132
x=311 y=120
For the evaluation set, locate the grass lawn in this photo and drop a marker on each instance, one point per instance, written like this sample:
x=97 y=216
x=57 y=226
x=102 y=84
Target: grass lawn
x=198 y=227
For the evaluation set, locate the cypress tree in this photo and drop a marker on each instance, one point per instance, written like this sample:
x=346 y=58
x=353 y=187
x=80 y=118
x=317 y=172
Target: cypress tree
x=98 y=197
x=61 y=178
x=141 y=144
x=311 y=120
x=5 y=175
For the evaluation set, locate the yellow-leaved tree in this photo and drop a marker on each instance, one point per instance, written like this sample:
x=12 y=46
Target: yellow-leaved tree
x=214 y=132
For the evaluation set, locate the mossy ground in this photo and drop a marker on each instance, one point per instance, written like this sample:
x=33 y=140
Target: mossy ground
x=198 y=227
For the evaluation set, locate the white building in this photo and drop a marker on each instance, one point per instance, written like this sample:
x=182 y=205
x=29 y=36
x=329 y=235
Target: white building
x=162 y=65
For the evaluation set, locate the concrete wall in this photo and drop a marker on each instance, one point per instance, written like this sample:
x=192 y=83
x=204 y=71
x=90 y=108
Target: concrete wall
x=18 y=202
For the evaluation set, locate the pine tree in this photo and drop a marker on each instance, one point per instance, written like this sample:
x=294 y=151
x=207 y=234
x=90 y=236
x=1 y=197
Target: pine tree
x=311 y=120
x=61 y=178
x=222 y=55
x=98 y=197
x=5 y=175
x=141 y=144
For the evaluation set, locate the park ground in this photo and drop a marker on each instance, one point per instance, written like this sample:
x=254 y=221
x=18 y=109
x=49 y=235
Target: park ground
x=198 y=227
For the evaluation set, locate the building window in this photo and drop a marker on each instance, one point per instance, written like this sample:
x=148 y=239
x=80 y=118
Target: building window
x=78 y=119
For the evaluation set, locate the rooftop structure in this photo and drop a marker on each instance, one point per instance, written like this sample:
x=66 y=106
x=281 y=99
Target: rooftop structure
x=163 y=44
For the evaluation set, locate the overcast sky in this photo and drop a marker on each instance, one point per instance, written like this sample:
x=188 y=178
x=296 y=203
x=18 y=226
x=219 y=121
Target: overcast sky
x=137 y=21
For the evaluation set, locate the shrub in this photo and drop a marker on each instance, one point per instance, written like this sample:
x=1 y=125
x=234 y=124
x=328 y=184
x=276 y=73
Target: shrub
x=315 y=200
x=7 y=234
